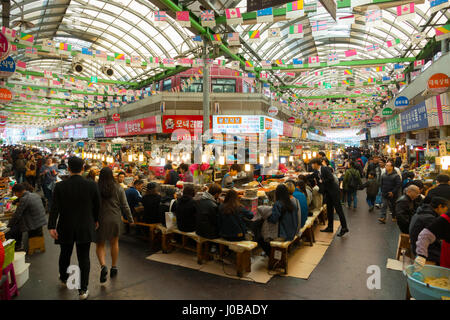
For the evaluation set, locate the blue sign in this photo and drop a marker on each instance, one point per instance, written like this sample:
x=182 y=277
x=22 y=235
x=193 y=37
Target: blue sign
x=8 y=65
x=99 y=132
x=414 y=118
x=401 y=101
x=91 y=123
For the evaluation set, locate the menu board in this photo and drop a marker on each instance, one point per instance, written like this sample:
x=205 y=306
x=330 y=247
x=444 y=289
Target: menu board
x=189 y=123
x=246 y=124
x=414 y=118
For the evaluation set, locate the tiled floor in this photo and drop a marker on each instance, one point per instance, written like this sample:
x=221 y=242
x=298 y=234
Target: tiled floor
x=340 y=275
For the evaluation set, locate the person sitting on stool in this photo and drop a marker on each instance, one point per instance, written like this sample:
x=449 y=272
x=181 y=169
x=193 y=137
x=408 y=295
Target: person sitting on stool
x=28 y=217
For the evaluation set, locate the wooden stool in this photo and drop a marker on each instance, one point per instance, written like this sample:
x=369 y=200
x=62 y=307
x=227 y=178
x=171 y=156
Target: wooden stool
x=403 y=243
x=36 y=243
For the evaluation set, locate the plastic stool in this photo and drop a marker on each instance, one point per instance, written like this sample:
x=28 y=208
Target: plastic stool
x=9 y=289
x=36 y=243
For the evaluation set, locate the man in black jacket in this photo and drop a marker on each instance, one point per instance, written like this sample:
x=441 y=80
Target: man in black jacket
x=442 y=189
x=207 y=213
x=390 y=186
x=425 y=216
x=324 y=179
x=404 y=208
x=73 y=220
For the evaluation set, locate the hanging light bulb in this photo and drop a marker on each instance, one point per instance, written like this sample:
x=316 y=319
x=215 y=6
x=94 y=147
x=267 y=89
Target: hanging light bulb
x=141 y=157
x=103 y=157
x=130 y=158
x=222 y=160
x=314 y=154
x=204 y=158
x=261 y=159
x=291 y=158
x=247 y=167
x=270 y=159
x=304 y=156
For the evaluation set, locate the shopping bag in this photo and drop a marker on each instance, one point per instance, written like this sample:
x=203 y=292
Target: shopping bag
x=171 y=220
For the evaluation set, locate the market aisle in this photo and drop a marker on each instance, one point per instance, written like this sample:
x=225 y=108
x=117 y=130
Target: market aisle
x=340 y=275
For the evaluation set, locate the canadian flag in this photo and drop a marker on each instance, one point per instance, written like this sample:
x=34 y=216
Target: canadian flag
x=418 y=64
x=406 y=12
x=9 y=33
x=233 y=16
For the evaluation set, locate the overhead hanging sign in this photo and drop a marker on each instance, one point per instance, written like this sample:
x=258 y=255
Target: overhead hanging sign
x=147 y=125
x=414 y=118
x=5 y=95
x=438 y=82
x=291 y=120
x=91 y=123
x=189 y=123
x=401 y=101
x=7 y=67
x=110 y=130
x=377 y=119
x=4 y=47
x=273 y=111
x=102 y=120
x=387 y=112
x=116 y=117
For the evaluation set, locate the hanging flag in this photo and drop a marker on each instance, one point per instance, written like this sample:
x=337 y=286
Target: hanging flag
x=266 y=64
x=398 y=66
x=274 y=35
x=9 y=33
x=48 y=45
x=253 y=36
x=31 y=52
x=249 y=65
x=264 y=75
x=437 y=5
x=235 y=65
x=310 y=7
x=233 y=16
x=185 y=62
x=419 y=64
x=345 y=82
x=207 y=18
x=372 y=17
x=264 y=15
x=233 y=39
x=319 y=25
x=406 y=12
x=296 y=31
x=26 y=39
x=198 y=63
x=119 y=58
x=393 y=43
x=136 y=61
x=380 y=69
x=318 y=73
x=346 y=20
x=48 y=74
x=442 y=32
x=400 y=76
x=332 y=58
x=65 y=47
x=20 y=65
x=386 y=79
x=87 y=53
x=220 y=62
x=297 y=62
x=294 y=10
x=216 y=39
x=160 y=18
x=373 y=47
x=350 y=53
x=348 y=72
x=197 y=39
x=101 y=55
x=183 y=18
x=314 y=61
x=279 y=62
x=168 y=63
x=417 y=37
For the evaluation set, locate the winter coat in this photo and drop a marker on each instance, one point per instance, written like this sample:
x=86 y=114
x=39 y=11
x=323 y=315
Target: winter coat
x=372 y=186
x=151 y=204
x=442 y=190
x=185 y=213
x=207 y=212
x=269 y=231
x=288 y=221
x=164 y=207
x=303 y=206
x=404 y=208
x=352 y=172
x=424 y=217
x=390 y=183
x=232 y=226
x=30 y=213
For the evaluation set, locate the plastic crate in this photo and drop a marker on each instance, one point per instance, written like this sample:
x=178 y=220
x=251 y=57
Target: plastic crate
x=9 y=254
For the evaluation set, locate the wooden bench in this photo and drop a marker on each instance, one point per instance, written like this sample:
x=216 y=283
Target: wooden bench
x=153 y=229
x=242 y=249
x=283 y=246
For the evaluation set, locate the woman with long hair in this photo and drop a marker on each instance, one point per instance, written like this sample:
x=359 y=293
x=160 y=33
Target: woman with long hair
x=231 y=213
x=113 y=203
x=186 y=210
x=285 y=213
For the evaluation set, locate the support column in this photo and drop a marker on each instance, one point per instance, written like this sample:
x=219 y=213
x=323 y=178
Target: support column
x=444 y=46
x=6 y=8
x=206 y=88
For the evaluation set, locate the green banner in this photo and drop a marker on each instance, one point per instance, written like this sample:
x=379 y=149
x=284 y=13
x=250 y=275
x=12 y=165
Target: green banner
x=393 y=125
x=90 y=133
x=116 y=147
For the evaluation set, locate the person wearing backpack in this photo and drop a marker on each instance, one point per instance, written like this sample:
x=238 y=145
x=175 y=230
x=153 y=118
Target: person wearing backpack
x=352 y=182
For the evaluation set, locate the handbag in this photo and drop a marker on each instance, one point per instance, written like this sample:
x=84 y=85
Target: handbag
x=171 y=219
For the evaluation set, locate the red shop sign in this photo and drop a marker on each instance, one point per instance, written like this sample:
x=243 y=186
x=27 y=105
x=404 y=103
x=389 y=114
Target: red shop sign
x=102 y=120
x=4 y=47
x=110 y=130
x=189 y=123
x=377 y=119
x=5 y=95
x=140 y=126
x=291 y=120
x=439 y=82
x=116 y=117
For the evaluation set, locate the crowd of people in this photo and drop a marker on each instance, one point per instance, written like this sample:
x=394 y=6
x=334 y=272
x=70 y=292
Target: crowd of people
x=89 y=204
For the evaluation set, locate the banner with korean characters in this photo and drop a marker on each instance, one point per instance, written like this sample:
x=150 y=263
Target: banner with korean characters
x=393 y=125
x=147 y=125
x=438 y=110
x=110 y=130
x=415 y=118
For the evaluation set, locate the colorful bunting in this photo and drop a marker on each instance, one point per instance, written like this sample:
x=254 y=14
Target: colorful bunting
x=372 y=17
x=160 y=18
x=266 y=64
x=373 y=47
x=253 y=36
x=26 y=39
x=419 y=64
x=216 y=39
x=197 y=39
x=406 y=12
x=294 y=10
x=249 y=65
x=274 y=35
x=332 y=58
x=233 y=39
x=183 y=18
x=437 y=5
x=348 y=72
x=296 y=31
x=264 y=15
x=10 y=34
x=314 y=61
x=442 y=32
x=65 y=47
x=393 y=43
x=350 y=53
x=207 y=18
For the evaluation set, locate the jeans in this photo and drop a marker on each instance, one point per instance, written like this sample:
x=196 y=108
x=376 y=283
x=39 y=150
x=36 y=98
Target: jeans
x=352 y=195
x=83 y=262
x=388 y=202
x=371 y=201
x=48 y=194
x=20 y=176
